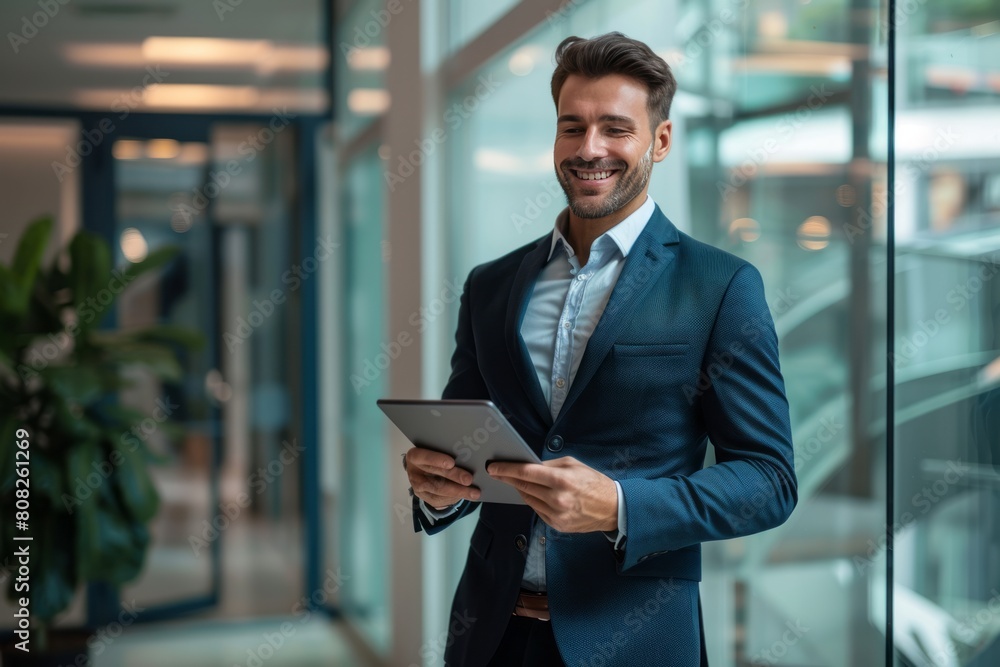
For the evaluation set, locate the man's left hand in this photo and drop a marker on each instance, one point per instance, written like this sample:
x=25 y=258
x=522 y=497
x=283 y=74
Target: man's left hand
x=568 y=495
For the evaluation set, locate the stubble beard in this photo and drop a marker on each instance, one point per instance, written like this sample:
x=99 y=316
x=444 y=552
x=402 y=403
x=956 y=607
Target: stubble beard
x=629 y=185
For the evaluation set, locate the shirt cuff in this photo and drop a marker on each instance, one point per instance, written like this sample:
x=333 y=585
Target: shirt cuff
x=617 y=536
x=433 y=515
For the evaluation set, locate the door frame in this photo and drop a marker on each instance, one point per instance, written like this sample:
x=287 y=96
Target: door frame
x=98 y=215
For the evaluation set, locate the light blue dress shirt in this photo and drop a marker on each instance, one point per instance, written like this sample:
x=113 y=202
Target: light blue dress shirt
x=565 y=306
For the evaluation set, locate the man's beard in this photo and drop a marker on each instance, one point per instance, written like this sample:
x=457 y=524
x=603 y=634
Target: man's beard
x=630 y=183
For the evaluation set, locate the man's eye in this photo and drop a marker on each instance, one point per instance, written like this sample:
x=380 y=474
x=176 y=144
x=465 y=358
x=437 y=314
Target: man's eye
x=616 y=130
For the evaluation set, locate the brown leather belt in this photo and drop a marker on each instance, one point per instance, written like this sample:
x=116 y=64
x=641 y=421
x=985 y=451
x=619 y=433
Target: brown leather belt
x=532 y=605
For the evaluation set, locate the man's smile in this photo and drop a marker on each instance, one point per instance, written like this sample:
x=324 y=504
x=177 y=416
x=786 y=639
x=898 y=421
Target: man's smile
x=594 y=176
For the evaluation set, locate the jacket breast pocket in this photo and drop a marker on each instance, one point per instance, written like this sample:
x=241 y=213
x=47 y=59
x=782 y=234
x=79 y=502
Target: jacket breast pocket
x=653 y=372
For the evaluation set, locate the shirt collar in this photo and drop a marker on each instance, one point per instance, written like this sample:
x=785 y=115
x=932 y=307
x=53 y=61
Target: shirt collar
x=624 y=234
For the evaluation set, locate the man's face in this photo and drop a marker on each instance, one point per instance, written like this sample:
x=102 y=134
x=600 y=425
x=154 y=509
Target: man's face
x=604 y=148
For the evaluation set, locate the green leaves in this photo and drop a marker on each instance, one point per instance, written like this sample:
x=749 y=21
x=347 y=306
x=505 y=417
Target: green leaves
x=192 y=340
x=80 y=385
x=90 y=272
x=92 y=492
x=124 y=544
x=86 y=470
x=135 y=486
x=8 y=427
x=10 y=295
x=53 y=575
x=17 y=281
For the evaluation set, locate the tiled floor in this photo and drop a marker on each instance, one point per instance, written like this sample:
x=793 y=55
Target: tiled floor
x=275 y=642
x=258 y=622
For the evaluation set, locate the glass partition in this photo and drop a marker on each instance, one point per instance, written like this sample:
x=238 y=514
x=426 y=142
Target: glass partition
x=365 y=515
x=781 y=156
x=229 y=478
x=946 y=351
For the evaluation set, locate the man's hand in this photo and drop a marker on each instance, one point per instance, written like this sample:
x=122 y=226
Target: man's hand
x=436 y=480
x=567 y=495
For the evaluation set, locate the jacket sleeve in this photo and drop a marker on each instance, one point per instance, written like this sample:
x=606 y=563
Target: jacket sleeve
x=752 y=486
x=465 y=382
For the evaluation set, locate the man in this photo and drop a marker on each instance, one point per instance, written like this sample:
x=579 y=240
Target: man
x=616 y=346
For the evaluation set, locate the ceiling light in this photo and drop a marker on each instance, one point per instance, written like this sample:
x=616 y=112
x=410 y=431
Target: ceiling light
x=134 y=245
x=744 y=229
x=199 y=53
x=175 y=95
x=814 y=233
x=522 y=62
x=163 y=149
x=127 y=149
x=204 y=50
x=368 y=58
x=772 y=24
x=368 y=101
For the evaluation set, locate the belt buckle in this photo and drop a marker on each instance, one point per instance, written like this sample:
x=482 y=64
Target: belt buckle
x=527 y=611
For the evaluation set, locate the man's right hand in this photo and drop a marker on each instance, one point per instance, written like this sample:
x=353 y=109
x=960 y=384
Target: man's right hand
x=436 y=479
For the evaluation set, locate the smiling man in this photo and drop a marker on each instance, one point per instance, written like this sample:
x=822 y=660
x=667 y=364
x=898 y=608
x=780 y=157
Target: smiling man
x=619 y=348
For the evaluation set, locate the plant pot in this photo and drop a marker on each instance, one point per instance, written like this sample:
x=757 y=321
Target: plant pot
x=67 y=648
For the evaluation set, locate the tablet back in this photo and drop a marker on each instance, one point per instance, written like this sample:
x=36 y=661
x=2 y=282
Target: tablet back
x=474 y=432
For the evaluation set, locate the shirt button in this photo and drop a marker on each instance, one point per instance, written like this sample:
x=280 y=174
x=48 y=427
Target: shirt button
x=560 y=382
x=541 y=540
x=566 y=324
x=582 y=276
x=520 y=542
x=555 y=443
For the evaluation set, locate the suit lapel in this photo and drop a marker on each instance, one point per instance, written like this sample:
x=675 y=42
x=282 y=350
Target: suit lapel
x=517 y=305
x=650 y=255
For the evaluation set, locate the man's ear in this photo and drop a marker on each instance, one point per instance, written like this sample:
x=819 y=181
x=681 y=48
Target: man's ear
x=661 y=140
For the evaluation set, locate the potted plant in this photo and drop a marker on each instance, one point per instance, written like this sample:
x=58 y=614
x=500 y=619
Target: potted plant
x=88 y=495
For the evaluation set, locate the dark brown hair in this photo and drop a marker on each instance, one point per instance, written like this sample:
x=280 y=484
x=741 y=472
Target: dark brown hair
x=614 y=53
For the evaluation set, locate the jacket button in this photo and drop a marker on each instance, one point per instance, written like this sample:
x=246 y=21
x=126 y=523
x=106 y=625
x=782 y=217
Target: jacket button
x=555 y=443
x=520 y=542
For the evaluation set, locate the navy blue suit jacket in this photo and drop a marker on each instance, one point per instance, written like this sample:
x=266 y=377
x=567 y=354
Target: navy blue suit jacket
x=684 y=352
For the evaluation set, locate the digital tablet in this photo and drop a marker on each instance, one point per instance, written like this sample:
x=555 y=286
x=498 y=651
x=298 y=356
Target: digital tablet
x=474 y=432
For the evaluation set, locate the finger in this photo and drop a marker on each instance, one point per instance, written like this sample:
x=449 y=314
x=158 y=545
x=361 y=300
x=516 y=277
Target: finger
x=459 y=475
x=540 y=508
x=538 y=491
x=439 y=502
x=532 y=472
x=563 y=462
x=507 y=469
x=442 y=486
x=428 y=458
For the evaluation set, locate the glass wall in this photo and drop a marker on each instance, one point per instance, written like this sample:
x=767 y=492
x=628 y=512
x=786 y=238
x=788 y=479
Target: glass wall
x=782 y=153
x=364 y=513
x=229 y=479
x=946 y=351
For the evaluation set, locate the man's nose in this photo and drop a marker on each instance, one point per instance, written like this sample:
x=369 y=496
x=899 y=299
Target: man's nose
x=592 y=146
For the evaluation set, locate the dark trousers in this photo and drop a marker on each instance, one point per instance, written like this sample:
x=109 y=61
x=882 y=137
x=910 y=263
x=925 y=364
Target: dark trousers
x=527 y=642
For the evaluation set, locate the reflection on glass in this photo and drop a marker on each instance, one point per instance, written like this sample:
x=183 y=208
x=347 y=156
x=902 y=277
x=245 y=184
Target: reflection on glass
x=364 y=511
x=229 y=214
x=947 y=468
x=360 y=62
x=146 y=179
x=469 y=19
